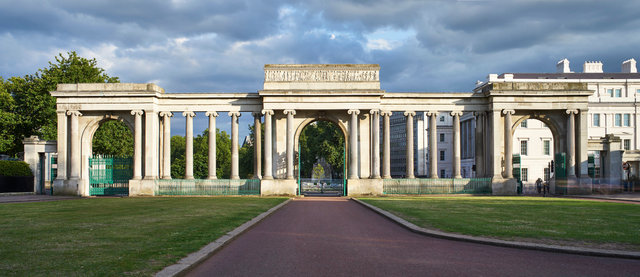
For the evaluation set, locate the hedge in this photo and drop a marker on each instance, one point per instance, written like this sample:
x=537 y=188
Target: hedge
x=15 y=168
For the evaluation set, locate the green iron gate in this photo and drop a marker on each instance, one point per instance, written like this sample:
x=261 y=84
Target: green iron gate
x=329 y=187
x=561 y=173
x=517 y=171
x=109 y=175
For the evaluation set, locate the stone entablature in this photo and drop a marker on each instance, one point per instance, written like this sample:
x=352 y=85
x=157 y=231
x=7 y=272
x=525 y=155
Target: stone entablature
x=321 y=76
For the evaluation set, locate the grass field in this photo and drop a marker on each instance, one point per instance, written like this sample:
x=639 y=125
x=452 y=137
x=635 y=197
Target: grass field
x=549 y=220
x=115 y=236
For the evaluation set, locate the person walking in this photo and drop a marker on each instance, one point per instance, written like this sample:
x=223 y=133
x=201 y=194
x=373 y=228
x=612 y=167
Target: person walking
x=539 y=185
x=545 y=189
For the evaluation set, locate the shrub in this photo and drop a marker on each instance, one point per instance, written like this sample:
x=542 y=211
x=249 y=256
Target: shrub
x=15 y=168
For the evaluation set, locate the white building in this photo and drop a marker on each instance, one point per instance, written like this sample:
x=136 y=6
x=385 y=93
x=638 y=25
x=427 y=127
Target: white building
x=614 y=108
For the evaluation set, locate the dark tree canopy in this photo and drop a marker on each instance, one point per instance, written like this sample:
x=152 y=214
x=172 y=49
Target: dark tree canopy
x=113 y=138
x=33 y=107
x=322 y=139
x=201 y=155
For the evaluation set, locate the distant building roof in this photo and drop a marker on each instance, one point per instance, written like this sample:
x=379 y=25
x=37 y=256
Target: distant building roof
x=573 y=75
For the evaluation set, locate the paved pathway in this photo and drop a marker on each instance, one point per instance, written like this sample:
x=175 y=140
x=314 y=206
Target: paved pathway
x=33 y=198
x=338 y=237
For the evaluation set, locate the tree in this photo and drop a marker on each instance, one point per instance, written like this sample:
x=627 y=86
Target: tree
x=34 y=108
x=201 y=155
x=7 y=119
x=322 y=139
x=113 y=138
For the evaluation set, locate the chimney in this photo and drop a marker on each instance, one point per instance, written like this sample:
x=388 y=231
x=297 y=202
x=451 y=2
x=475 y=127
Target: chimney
x=629 y=66
x=563 y=66
x=592 y=67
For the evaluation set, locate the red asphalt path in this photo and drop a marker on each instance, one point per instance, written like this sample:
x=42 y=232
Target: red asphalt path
x=338 y=237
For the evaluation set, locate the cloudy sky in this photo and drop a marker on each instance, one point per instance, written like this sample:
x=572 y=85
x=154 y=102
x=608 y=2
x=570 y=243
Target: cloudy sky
x=222 y=45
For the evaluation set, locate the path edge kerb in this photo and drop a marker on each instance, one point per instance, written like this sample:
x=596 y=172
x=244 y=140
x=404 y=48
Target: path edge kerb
x=504 y=243
x=190 y=261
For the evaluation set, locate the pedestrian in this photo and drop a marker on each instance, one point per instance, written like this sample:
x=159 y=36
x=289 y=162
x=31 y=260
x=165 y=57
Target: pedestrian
x=539 y=185
x=545 y=189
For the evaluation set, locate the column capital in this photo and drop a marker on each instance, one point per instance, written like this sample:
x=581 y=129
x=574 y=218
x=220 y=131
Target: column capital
x=356 y=112
x=257 y=114
x=188 y=114
x=510 y=112
x=267 y=112
x=136 y=112
x=454 y=113
x=432 y=113
x=574 y=111
x=292 y=112
x=374 y=111
x=76 y=113
x=385 y=113
x=164 y=114
x=211 y=114
x=236 y=114
x=409 y=113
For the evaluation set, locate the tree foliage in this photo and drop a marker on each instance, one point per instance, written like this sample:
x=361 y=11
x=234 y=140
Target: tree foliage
x=113 y=138
x=33 y=107
x=322 y=139
x=201 y=155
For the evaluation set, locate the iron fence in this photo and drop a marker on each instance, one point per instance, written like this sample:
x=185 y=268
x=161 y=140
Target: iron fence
x=437 y=186
x=322 y=186
x=208 y=187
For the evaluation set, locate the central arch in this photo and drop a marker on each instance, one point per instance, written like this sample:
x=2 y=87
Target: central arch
x=319 y=181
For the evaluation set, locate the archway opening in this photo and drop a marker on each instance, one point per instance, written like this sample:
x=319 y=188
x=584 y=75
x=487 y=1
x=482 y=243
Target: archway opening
x=535 y=146
x=111 y=163
x=321 y=159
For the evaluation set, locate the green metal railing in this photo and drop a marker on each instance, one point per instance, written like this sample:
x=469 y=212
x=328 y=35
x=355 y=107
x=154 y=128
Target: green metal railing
x=109 y=175
x=208 y=187
x=324 y=186
x=437 y=186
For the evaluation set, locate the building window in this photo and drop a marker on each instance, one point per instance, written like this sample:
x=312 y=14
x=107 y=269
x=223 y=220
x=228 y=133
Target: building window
x=442 y=155
x=627 y=120
x=596 y=120
x=442 y=173
x=464 y=173
x=618 y=92
x=523 y=147
x=524 y=175
x=547 y=174
x=441 y=137
x=546 y=147
x=638 y=91
x=523 y=124
x=618 y=120
x=610 y=92
x=442 y=118
x=626 y=144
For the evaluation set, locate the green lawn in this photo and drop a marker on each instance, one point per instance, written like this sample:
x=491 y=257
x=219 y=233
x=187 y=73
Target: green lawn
x=555 y=220
x=115 y=236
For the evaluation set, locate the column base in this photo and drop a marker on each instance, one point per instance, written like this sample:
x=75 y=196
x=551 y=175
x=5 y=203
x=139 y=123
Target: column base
x=504 y=186
x=278 y=187
x=364 y=187
x=212 y=178
x=66 y=187
x=145 y=187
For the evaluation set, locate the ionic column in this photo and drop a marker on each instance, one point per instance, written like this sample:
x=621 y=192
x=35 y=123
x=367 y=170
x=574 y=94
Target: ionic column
x=62 y=145
x=456 y=144
x=409 y=151
x=151 y=145
x=480 y=144
x=257 y=146
x=188 y=158
x=212 y=145
x=571 y=144
x=268 y=170
x=137 y=144
x=290 y=114
x=353 y=144
x=386 y=151
x=76 y=160
x=433 y=145
x=235 y=174
x=375 y=116
x=508 y=144
x=166 y=144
